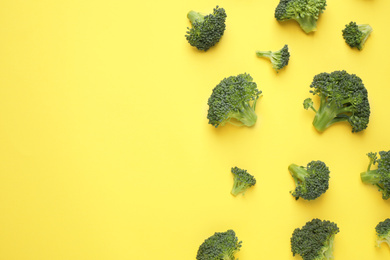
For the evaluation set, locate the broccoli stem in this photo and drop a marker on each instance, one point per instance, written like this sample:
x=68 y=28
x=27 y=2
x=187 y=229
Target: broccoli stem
x=266 y=54
x=366 y=30
x=246 y=115
x=371 y=177
x=298 y=173
x=307 y=23
x=195 y=17
x=327 y=115
x=237 y=188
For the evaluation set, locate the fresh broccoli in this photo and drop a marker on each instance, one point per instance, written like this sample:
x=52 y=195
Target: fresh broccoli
x=311 y=182
x=314 y=241
x=234 y=98
x=242 y=181
x=305 y=12
x=206 y=30
x=220 y=246
x=383 y=232
x=343 y=97
x=279 y=59
x=355 y=35
x=379 y=177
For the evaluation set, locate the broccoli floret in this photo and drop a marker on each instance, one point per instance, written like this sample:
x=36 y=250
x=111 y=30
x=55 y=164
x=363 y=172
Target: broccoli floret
x=279 y=59
x=220 y=246
x=305 y=12
x=311 y=181
x=242 y=181
x=314 y=241
x=383 y=232
x=234 y=98
x=379 y=177
x=343 y=97
x=355 y=35
x=206 y=30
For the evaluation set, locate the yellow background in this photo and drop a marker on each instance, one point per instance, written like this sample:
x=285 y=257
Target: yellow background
x=105 y=147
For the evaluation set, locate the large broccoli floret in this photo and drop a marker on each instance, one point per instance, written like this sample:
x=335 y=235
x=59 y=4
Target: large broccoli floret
x=242 y=181
x=343 y=97
x=220 y=246
x=234 y=98
x=279 y=59
x=383 y=232
x=206 y=30
x=355 y=35
x=311 y=182
x=305 y=12
x=314 y=241
x=379 y=177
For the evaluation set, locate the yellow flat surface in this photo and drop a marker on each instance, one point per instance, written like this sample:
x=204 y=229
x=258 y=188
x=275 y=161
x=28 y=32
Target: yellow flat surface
x=105 y=147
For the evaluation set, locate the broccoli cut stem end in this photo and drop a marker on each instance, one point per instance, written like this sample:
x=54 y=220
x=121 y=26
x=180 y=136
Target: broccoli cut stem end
x=307 y=23
x=195 y=17
x=246 y=115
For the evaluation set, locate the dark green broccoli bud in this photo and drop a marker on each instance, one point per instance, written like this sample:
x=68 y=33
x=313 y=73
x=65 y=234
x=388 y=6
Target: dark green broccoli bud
x=314 y=241
x=383 y=232
x=242 y=181
x=305 y=12
x=279 y=59
x=220 y=246
x=379 y=177
x=343 y=97
x=311 y=181
x=206 y=30
x=234 y=98
x=355 y=35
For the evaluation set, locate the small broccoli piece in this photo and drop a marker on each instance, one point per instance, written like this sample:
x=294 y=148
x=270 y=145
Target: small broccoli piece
x=343 y=97
x=311 y=182
x=279 y=59
x=379 y=177
x=314 y=241
x=234 y=98
x=305 y=12
x=206 y=30
x=355 y=35
x=308 y=103
x=383 y=232
x=242 y=181
x=220 y=246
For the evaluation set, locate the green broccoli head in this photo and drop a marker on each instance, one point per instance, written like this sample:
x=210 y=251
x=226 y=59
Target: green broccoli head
x=220 y=246
x=383 y=232
x=355 y=35
x=343 y=97
x=242 y=181
x=311 y=181
x=206 y=30
x=305 y=12
x=279 y=59
x=379 y=177
x=314 y=241
x=234 y=98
